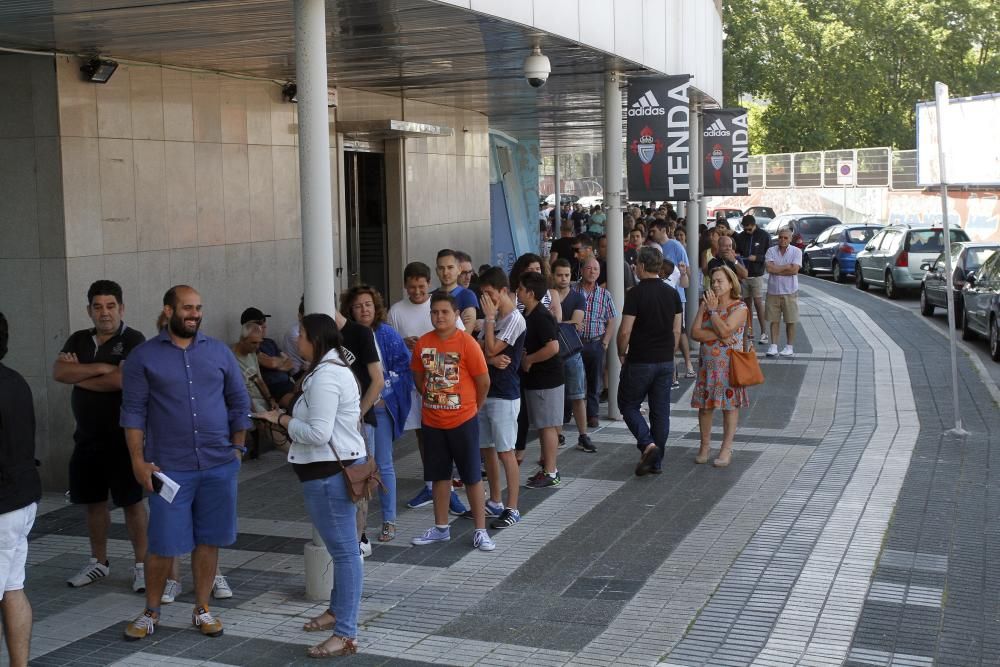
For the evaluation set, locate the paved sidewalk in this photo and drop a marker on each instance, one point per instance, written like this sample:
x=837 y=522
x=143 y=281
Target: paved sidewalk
x=848 y=530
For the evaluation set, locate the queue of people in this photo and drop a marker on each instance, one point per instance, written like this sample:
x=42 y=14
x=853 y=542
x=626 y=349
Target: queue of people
x=469 y=367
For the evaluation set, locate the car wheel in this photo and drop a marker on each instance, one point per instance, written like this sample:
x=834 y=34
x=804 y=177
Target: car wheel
x=807 y=266
x=838 y=276
x=995 y=339
x=926 y=309
x=967 y=332
x=859 y=280
x=891 y=290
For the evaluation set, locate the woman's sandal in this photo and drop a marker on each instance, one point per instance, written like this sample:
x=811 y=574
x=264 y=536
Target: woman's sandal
x=347 y=647
x=317 y=624
x=703 y=458
x=721 y=462
x=691 y=374
x=388 y=532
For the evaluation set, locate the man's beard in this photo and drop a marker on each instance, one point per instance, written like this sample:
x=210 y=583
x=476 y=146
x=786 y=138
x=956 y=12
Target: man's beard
x=177 y=327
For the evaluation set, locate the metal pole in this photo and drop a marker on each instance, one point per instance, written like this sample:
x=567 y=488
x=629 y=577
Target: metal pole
x=615 y=233
x=557 y=198
x=941 y=98
x=316 y=201
x=695 y=217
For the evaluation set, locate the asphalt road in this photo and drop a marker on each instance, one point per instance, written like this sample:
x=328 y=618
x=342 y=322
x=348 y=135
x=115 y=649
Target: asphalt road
x=977 y=349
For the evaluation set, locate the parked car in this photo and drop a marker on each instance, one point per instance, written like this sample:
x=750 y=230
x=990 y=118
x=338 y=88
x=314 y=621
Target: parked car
x=981 y=298
x=805 y=227
x=731 y=215
x=892 y=259
x=563 y=197
x=835 y=249
x=591 y=201
x=762 y=214
x=966 y=258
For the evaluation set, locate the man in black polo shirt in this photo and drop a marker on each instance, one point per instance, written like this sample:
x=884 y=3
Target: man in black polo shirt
x=647 y=341
x=90 y=361
x=19 y=494
x=751 y=245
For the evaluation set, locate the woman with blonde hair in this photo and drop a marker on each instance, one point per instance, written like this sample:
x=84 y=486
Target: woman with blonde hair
x=718 y=326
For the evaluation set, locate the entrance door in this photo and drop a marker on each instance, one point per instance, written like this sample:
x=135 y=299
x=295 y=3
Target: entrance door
x=364 y=183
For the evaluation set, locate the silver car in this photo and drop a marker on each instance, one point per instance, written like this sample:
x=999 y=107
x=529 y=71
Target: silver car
x=893 y=258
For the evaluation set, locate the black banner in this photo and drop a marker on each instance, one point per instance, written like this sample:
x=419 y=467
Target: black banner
x=658 y=133
x=727 y=151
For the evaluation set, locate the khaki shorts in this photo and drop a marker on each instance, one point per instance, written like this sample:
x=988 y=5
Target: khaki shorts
x=778 y=306
x=753 y=287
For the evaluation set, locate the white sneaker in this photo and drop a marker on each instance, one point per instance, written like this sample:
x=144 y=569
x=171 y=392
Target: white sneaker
x=481 y=540
x=221 y=589
x=89 y=573
x=171 y=591
x=138 y=578
x=772 y=351
x=787 y=351
x=366 y=548
x=763 y=339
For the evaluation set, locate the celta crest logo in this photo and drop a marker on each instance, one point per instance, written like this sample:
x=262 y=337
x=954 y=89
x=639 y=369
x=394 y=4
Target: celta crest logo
x=717 y=158
x=646 y=147
x=717 y=129
x=646 y=106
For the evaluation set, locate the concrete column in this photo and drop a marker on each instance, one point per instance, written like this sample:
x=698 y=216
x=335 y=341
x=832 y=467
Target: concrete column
x=612 y=202
x=695 y=211
x=318 y=256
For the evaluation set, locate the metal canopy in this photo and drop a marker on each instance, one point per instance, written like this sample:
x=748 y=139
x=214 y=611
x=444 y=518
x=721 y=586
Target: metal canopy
x=415 y=48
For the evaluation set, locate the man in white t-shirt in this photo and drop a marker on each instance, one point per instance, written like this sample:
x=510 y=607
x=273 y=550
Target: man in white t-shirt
x=782 y=263
x=411 y=318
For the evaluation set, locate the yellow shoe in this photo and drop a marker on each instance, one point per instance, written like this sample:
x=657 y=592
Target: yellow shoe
x=209 y=625
x=141 y=627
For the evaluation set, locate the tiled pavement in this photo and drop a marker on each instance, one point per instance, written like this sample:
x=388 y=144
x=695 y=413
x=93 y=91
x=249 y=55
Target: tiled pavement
x=848 y=530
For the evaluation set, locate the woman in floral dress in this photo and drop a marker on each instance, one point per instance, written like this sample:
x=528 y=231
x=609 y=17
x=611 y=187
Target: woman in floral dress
x=718 y=327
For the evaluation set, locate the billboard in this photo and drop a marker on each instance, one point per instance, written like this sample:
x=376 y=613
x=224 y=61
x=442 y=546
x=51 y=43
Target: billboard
x=727 y=152
x=658 y=134
x=972 y=141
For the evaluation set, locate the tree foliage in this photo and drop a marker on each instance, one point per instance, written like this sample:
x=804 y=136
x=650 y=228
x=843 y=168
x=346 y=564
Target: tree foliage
x=846 y=73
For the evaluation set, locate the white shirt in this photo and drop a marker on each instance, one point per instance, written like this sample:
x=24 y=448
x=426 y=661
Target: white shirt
x=290 y=346
x=328 y=413
x=413 y=319
x=779 y=285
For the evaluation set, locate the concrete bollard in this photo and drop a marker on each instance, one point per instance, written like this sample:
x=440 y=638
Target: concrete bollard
x=319 y=572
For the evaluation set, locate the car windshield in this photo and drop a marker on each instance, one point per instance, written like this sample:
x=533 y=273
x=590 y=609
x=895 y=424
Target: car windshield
x=815 y=225
x=762 y=211
x=862 y=235
x=977 y=256
x=930 y=240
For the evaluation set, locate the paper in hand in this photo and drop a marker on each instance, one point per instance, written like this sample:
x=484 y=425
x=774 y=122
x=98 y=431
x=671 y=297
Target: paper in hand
x=166 y=487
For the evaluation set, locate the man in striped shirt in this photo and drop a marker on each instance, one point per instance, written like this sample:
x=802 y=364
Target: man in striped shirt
x=596 y=330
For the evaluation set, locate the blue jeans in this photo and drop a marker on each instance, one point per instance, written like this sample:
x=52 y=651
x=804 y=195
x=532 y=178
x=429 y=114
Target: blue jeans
x=381 y=439
x=637 y=382
x=333 y=515
x=593 y=364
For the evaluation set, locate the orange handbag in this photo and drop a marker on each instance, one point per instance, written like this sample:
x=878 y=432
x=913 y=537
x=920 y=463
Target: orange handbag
x=744 y=369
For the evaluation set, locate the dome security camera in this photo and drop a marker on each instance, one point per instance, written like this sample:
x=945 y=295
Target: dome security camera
x=537 y=68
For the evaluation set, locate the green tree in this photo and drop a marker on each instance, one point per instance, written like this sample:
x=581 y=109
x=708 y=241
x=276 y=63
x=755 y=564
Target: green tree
x=845 y=73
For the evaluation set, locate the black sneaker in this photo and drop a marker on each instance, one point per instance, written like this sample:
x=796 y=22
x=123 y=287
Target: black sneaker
x=545 y=481
x=585 y=445
x=506 y=520
x=562 y=441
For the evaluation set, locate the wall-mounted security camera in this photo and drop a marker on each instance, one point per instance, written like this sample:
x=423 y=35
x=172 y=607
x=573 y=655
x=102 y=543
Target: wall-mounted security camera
x=537 y=68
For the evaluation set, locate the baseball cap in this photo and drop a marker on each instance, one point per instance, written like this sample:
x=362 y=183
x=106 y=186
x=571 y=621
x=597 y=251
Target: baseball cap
x=253 y=315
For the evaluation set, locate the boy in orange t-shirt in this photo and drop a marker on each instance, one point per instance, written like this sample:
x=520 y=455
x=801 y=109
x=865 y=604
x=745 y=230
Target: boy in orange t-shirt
x=450 y=374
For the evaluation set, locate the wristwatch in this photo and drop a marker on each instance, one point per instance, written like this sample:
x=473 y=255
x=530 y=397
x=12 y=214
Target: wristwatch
x=242 y=448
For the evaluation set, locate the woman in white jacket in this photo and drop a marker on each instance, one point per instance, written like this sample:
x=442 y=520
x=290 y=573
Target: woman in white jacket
x=326 y=416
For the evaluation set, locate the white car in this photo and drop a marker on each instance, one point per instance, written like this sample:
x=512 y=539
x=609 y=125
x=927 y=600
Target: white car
x=592 y=201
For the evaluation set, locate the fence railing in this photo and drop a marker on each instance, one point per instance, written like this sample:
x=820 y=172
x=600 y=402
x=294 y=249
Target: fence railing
x=872 y=167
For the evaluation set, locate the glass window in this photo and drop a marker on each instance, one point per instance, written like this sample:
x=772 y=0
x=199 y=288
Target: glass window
x=976 y=257
x=877 y=241
x=861 y=235
x=932 y=240
x=827 y=235
x=815 y=225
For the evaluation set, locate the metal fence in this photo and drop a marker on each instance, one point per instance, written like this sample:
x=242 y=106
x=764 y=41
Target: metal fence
x=872 y=167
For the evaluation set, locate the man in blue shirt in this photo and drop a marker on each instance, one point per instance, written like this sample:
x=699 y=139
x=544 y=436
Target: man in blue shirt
x=185 y=413
x=448 y=272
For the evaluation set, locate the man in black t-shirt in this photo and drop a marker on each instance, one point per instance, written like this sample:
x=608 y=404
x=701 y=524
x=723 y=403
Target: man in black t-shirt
x=564 y=247
x=543 y=375
x=90 y=361
x=647 y=341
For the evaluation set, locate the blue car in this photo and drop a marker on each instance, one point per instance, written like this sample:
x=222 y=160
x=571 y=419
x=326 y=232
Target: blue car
x=835 y=249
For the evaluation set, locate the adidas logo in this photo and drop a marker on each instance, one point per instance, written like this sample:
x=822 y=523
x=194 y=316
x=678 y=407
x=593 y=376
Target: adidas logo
x=646 y=106
x=717 y=129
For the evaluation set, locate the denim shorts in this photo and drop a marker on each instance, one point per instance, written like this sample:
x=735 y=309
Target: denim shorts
x=203 y=511
x=498 y=424
x=576 y=379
